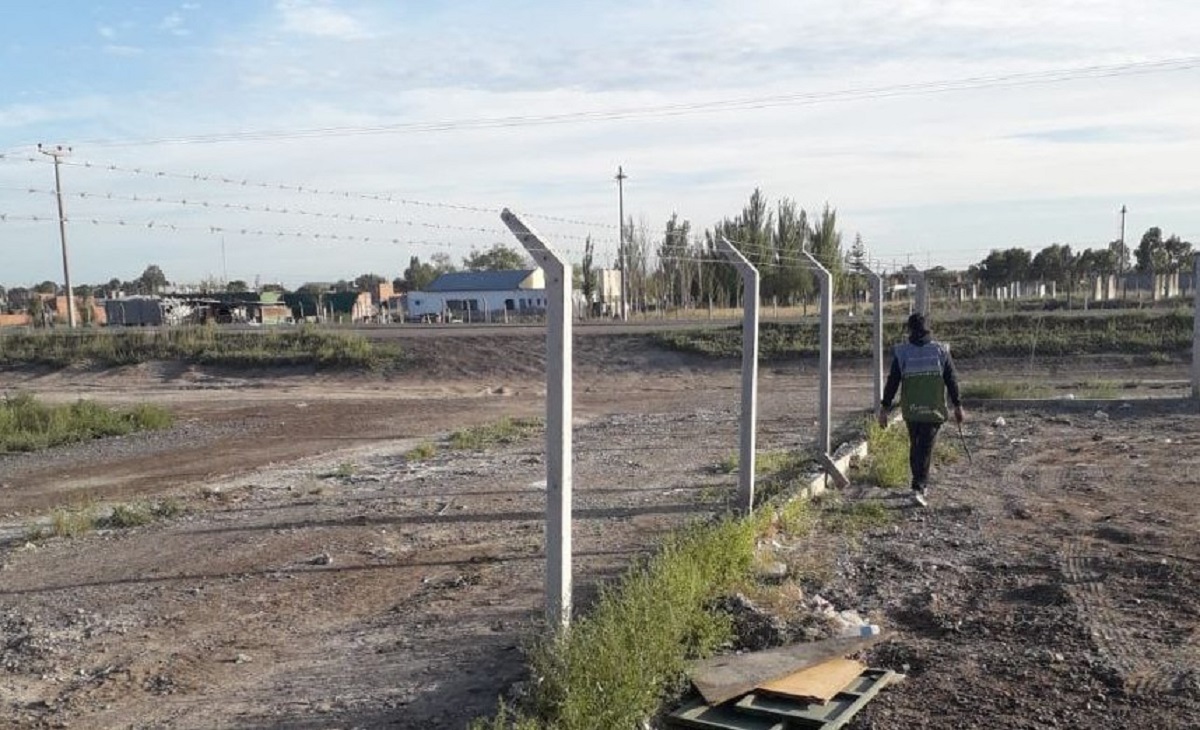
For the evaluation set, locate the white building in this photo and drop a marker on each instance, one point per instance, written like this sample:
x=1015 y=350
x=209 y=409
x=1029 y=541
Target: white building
x=479 y=296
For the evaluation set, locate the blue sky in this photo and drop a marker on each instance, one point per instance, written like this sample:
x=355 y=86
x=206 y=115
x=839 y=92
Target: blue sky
x=177 y=95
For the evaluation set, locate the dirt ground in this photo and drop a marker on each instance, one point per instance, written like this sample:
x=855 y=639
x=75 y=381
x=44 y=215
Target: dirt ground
x=317 y=579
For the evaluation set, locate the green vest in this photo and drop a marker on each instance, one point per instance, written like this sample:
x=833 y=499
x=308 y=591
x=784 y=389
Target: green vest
x=923 y=391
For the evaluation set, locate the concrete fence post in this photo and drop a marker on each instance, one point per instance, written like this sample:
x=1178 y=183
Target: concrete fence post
x=826 y=357
x=876 y=283
x=558 y=419
x=748 y=434
x=1196 y=328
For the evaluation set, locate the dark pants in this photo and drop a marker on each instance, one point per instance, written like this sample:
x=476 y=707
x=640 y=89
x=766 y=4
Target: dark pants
x=920 y=450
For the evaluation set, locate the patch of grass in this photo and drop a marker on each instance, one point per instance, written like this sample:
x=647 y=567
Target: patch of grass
x=615 y=667
x=422 y=451
x=797 y=518
x=124 y=516
x=1099 y=389
x=1001 y=390
x=72 y=522
x=728 y=464
x=766 y=463
x=504 y=431
x=1014 y=334
x=80 y=520
x=854 y=518
x=27 y=424
x=886 y=464
x=208 y=345
x=344 y=470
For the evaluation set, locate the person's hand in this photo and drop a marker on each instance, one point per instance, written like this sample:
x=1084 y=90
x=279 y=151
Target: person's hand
x=883 y=417
x=959 y=416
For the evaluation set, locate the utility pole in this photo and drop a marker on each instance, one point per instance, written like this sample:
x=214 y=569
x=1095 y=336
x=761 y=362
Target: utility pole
x=621 y=259
x=1121 y=261
x=58 y=153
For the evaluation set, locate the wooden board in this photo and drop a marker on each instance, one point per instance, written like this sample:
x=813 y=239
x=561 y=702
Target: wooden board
x=818 y=683
x=757 y=711
x=725 y=677
x=831 y=715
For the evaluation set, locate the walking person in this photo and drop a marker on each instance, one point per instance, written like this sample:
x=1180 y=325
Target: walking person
x=923 y=372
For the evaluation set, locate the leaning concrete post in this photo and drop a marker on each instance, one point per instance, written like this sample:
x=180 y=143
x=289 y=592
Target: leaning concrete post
x=749 y=275
x=558 y=419
x=876 y=282
x=1196 y=326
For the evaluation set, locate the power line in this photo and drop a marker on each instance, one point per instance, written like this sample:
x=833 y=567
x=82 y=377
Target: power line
x=1052 y=76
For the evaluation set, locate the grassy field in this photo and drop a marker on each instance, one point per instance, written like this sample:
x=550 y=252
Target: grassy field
x=27 y=424
x=1150 y=333
x=199 y=345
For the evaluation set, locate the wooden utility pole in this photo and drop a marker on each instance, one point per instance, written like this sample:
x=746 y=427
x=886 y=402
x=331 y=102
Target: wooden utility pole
x=59 y=152
x=1121 y=260
x=621 y=257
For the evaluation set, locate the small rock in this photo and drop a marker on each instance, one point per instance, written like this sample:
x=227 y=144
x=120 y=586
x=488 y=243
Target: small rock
x=999 y=422
x=1101 y=416
x=322 y=559
x=242 y=659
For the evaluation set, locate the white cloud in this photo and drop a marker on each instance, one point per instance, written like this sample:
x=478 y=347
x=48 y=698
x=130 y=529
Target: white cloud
x=320 y=19
x=107 y=31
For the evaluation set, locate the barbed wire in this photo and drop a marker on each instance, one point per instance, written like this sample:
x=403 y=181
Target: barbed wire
x=298 y=188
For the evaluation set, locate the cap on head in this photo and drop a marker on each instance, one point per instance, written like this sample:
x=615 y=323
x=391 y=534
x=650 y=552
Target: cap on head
x=917 y=324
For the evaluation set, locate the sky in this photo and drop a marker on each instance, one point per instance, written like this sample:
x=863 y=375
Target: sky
x=312 y=140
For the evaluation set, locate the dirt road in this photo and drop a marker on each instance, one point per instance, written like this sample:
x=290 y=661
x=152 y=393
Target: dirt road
x=316 y=578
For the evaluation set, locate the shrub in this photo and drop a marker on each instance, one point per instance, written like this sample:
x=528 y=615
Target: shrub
x=26 y=424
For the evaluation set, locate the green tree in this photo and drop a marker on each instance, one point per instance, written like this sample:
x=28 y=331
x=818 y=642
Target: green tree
x=1179 y=253
x=1151 y=254
x=587 y=281
x=790 y=278
x=46 y=287
x=826 y=243
x=37 y=310
x=1002 y=268
x=153 y=279
x=497 y=258
x=674 y=270
x=1054 y=263
x=418 y=275
x=237 y=286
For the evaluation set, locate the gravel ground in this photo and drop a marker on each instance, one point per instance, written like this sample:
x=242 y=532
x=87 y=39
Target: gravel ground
x=317 y=579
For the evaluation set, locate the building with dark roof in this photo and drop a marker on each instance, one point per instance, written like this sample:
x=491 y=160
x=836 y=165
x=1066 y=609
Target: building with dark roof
x=479 y=296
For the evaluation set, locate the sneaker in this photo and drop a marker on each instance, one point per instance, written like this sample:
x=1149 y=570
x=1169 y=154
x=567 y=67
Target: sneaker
x=919 y=498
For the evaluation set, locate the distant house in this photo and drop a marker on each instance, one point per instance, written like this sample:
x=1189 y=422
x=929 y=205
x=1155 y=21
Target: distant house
x=146 y=311
x=479 y=296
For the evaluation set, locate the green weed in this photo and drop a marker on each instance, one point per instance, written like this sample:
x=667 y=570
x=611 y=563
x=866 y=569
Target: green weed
x=615 y=667
x=26 y=424
x=422 y=451
x=886 y=464
x=207 y=345
x=504 y=431
x=344 y=470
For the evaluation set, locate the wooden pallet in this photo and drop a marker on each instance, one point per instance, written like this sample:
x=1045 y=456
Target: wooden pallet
x=759 y=711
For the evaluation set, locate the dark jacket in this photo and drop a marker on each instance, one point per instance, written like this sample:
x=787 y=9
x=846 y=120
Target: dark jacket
x=926 y=370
